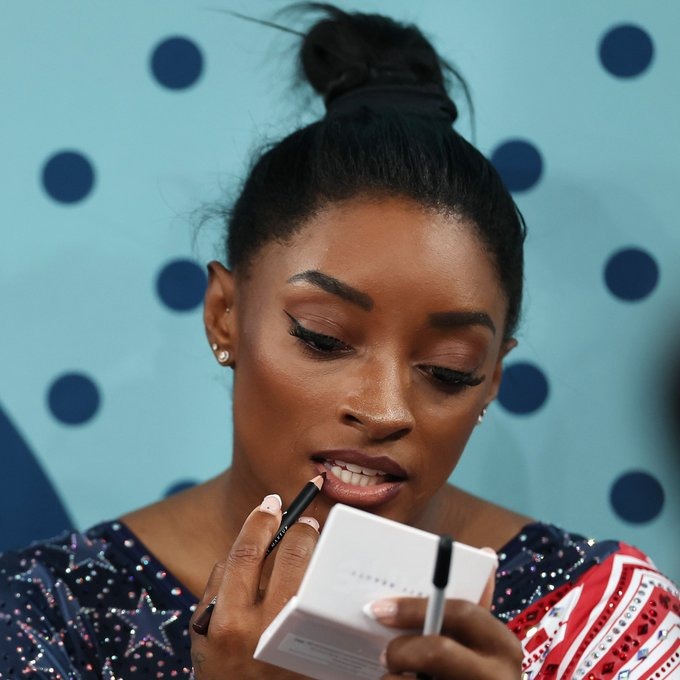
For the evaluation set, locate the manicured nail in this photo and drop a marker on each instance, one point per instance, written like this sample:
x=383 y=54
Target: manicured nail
x=380 y=609
x=310 y=521
x=271 y=504
x=383 y=658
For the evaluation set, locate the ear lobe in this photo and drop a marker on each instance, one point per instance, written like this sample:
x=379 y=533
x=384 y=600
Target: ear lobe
x=218 y=301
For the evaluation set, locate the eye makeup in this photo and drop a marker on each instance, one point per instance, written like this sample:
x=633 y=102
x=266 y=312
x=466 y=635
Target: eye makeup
x=452 y=378
x=323 y=346
x=316 y=342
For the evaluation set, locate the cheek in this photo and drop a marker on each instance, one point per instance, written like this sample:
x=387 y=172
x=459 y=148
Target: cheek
x=444 y=438
x=273 y=401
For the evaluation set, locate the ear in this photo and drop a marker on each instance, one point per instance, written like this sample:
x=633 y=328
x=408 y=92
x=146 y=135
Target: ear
x=217 y=307
x=506 y=348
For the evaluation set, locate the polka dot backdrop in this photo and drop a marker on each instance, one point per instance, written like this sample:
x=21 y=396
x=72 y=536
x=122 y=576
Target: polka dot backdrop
x=118 y=132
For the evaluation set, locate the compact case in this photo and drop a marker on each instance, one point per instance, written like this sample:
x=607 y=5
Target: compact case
x=323 y=632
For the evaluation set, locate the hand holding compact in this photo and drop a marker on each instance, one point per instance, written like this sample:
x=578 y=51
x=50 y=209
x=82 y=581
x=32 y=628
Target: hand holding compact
x=242 y=611
x=473 y=644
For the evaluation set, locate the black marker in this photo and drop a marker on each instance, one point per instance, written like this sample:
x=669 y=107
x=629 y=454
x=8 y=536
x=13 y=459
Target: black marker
x=434 y=615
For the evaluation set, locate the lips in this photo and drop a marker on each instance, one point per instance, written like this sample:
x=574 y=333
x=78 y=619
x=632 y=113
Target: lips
x=358 y=479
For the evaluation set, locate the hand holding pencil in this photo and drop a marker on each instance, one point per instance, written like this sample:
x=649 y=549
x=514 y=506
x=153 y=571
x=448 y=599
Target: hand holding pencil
x=233 y=612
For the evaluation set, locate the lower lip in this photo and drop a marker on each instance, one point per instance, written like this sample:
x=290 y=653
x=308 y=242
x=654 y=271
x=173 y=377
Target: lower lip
x=357 y=496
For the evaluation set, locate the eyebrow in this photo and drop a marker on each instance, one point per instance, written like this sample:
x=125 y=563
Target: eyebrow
x=439 y=320
x=446 y=320
x=335 y=287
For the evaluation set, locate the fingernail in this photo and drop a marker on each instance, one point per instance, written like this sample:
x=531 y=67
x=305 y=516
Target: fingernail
x=310 y=521
x=271 y=504
x=380 y=609
x=383 y=658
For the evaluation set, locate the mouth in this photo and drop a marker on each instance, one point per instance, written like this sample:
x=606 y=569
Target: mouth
x=357 y=479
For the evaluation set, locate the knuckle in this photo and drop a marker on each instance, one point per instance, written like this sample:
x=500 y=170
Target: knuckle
x=438 y=651
x=465 y=609
x=294 y=554
x=245 y=553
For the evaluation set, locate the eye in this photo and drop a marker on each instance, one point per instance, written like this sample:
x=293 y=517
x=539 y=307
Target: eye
x=451 y=380
x=318 y=343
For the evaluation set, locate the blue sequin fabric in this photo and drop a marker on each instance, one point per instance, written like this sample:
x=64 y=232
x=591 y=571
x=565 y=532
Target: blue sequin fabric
x=100 y=605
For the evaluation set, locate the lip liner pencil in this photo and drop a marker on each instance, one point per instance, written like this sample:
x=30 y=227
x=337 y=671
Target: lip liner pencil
x=434 y=614
x=296 y=508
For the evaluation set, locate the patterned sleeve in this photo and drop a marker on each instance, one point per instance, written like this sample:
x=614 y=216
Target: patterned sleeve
x=45 y=634
x=620 y=619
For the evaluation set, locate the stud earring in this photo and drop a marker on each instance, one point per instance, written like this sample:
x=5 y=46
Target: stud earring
x=480 y=417
x=213 y=347
x=223 y=356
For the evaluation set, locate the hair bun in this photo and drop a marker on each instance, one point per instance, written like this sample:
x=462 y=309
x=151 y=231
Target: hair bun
x=343 y=51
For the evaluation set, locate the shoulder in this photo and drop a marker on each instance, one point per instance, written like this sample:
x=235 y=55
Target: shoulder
x=74 y=606
x=38 y=604
x=584 y=606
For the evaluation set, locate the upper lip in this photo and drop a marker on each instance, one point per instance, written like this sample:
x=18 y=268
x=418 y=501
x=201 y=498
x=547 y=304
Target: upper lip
x=381 y=463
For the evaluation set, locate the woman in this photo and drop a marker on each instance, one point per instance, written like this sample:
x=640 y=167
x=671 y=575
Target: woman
x=373 y=289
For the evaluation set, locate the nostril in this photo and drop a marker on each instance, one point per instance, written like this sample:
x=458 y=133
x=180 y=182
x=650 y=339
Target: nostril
x=350 y=418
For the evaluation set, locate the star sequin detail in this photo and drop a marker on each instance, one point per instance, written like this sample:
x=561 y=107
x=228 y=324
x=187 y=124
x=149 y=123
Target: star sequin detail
x=83 y=551
x=76 y=617
x=148 y=625
x=39 y=575
x=51 y=658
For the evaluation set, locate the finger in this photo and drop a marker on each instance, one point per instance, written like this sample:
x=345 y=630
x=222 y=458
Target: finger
x=486 y=599
x=292 y=557
x=468 y=623
x=200 y=619
x=436 y=656
x=243 y=566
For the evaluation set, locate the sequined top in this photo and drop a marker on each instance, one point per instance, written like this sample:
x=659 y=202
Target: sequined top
x=100 y=605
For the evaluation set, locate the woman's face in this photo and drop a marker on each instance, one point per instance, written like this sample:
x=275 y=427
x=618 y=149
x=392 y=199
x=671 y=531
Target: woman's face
x=366 y=347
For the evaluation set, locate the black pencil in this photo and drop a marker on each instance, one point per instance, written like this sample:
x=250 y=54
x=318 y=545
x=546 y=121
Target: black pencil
x=297 y=507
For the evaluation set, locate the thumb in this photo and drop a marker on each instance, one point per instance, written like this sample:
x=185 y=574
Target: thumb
x=486 y=598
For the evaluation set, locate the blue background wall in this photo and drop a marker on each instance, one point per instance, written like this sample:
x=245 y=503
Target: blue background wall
x=120 y=120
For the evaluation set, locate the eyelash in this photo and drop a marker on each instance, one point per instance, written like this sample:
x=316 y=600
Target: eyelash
x=323 y=346
x=452 y=379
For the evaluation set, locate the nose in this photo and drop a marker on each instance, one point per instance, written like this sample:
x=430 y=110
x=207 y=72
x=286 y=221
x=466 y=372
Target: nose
x=376 y=401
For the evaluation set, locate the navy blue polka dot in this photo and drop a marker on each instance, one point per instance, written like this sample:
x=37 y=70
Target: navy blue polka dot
x=519 y=163
x=177 y=63
x=631 y=274
x=524 y=388
x=637 y=497
x=68 y=176
x=179 y=486
x=626 y=51
x=181 y=285
x=73 y=398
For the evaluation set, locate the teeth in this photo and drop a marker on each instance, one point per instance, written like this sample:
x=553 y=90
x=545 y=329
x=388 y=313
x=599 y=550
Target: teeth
x=354 y=474
x=357 y=468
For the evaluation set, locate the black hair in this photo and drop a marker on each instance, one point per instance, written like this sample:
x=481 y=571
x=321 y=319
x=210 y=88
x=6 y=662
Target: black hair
x=363 y=151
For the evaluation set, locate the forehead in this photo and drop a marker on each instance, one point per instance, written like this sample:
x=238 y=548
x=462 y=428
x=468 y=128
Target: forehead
x=392 y=248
